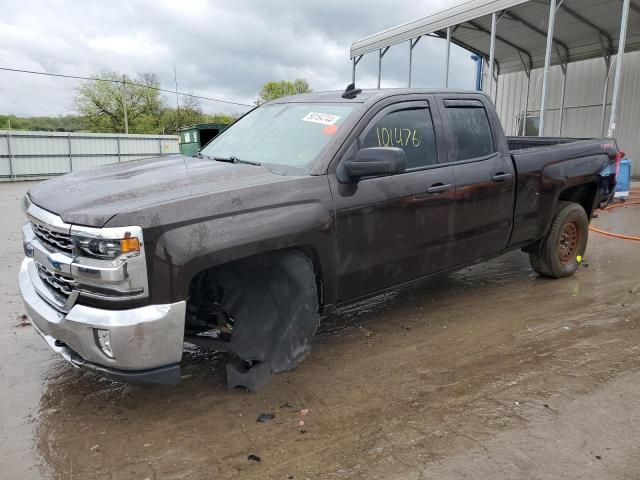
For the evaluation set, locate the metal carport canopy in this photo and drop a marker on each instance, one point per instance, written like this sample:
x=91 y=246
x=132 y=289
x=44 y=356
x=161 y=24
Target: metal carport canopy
x=584 y=29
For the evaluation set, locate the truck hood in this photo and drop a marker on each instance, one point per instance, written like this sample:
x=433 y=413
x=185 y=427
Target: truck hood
x=92 y=197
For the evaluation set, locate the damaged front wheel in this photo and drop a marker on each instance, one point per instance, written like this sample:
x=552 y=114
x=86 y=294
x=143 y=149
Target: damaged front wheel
x=273 y=301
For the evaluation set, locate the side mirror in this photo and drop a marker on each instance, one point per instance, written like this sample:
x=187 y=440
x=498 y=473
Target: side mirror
x=374 y=161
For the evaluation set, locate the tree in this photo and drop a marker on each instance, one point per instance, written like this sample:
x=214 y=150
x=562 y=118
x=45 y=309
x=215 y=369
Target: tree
x=101 y=107
x=189 y=113
x=219 y=118
x=272 y=90
x=101 y=103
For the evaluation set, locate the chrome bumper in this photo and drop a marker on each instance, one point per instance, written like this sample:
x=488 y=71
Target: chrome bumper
x=145 y=341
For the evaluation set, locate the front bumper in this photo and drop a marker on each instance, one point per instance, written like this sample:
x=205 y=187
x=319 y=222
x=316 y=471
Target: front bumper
x=147 y=342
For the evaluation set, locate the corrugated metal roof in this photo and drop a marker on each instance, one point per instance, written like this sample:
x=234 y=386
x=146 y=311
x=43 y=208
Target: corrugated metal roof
x=584 y=29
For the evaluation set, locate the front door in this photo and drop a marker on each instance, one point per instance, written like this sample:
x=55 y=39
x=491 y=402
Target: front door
x=393 y=229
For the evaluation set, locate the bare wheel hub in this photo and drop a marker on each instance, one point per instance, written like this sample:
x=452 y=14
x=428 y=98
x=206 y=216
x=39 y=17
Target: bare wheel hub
x=568 y=244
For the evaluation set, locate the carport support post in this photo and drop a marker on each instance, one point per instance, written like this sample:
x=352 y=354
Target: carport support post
x=379 y=67
x=355 y=64
x=564 y=68
x=492 y=48
x=547 y=62
x=381 y=53
x=619 y=62
x=353 y=71
x=605 y=93
x=526 y=103
x=446 y=71
x=412 y=44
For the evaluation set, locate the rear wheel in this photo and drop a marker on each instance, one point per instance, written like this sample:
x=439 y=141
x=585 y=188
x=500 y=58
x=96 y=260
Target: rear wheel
x=560 y=252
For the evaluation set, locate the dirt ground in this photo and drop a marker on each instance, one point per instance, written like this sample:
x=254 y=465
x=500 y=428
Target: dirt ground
x=490 y=372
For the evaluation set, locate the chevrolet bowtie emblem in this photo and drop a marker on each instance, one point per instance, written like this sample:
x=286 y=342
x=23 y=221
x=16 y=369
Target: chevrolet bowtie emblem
x=55 y=264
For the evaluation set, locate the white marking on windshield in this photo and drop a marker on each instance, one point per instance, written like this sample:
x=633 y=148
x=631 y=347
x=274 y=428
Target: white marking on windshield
x=322 y=118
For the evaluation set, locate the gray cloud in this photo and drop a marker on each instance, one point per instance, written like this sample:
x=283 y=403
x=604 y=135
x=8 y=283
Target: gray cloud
x=221 y=49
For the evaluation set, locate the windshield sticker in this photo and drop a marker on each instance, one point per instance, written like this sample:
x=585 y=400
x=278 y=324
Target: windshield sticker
x=322 y=118
x=330 y=129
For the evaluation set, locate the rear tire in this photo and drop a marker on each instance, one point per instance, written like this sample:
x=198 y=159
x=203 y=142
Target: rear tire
x=559 y=253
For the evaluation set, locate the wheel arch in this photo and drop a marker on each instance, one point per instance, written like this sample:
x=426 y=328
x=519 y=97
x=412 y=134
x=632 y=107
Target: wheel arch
x=306 y=249
x=583 y=194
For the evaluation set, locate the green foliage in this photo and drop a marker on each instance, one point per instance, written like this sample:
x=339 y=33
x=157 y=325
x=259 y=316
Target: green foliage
x=67 y=123
x=189 y=113
x=218 y=118
x=101 y=109
x=272 y=90
x=102 y=105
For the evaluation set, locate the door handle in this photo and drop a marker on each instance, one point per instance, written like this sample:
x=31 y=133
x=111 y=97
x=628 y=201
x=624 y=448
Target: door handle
x=439 y=188
x=501 y=177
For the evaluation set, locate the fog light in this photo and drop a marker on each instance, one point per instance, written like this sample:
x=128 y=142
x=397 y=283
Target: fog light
x=103 y=340
x=28 y=249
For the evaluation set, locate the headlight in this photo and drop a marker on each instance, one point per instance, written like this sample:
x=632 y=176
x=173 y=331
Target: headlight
x=106 y=247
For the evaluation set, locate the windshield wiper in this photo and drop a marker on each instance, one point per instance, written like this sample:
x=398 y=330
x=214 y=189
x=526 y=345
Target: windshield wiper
x=232 y=159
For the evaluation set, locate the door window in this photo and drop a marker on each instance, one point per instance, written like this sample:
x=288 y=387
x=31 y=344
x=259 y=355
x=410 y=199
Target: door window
x=471 y=130
x=410 y=129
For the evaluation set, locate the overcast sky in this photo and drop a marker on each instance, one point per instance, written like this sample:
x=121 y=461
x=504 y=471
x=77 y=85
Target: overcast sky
x=221 y=49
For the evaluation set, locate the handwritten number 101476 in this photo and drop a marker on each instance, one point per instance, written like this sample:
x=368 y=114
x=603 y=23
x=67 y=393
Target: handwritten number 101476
x=397 y=137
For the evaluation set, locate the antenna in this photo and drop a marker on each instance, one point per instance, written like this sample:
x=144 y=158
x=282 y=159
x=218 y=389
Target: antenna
x=351 y=91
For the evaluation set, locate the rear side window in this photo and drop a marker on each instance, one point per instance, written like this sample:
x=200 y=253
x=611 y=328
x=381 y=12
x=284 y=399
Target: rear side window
x=410 y=129
x=471 y=129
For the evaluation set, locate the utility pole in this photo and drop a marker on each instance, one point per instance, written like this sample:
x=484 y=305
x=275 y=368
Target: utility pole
x=175 y=79
x=124 y=104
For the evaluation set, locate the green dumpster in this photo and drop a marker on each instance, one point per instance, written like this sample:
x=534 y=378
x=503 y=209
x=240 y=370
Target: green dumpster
x=194 y=137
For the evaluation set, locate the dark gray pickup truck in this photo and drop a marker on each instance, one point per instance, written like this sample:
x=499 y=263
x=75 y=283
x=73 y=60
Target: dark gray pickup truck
x=305 y=204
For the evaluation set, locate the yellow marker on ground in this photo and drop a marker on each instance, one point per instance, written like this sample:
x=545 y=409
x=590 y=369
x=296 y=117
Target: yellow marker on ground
x=579 y=258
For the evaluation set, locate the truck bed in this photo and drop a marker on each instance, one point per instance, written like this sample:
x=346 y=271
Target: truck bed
x=525 y=143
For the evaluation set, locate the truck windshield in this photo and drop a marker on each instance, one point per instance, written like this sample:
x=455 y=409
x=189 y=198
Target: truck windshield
x=289 y=134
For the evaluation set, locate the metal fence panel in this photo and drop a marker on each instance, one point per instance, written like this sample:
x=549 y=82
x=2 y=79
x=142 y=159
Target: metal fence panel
x=40 y=165
x=42 y=154
x=84 y=162
x=22 y=145
x=5 y=168
x=83 y=145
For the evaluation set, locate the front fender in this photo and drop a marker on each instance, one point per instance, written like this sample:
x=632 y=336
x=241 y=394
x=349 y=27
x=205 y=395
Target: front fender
x=192 y=234
x=190 y=249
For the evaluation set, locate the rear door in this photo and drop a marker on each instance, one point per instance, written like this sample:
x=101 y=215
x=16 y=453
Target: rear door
x=484 y=177
x=392 y=229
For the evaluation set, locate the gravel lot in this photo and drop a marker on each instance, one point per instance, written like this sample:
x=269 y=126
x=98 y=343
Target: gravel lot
x=490 y=372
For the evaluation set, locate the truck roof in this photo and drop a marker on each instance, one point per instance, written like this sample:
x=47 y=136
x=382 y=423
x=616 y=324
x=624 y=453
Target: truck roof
x=374 y=94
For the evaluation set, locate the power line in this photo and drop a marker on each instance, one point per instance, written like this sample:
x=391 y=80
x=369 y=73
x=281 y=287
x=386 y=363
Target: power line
x=79 y=77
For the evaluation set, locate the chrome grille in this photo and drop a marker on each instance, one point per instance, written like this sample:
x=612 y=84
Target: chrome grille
x=60 y=284
x=57 y=240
